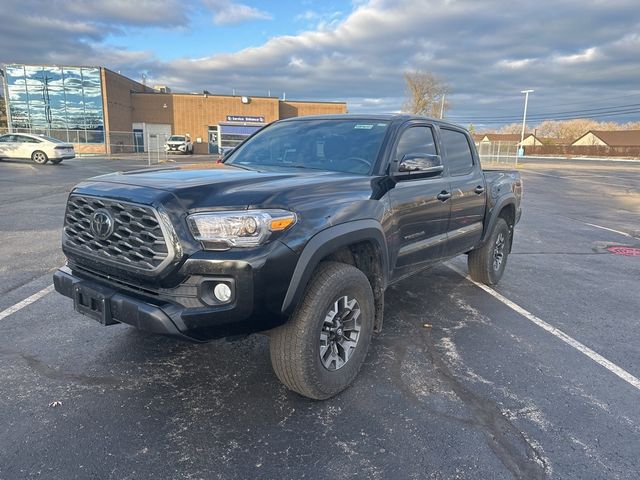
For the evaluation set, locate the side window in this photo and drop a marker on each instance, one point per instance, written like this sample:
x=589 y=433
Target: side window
x=458 y=152
x=416 y=140
x=23 y=139
x=4 y=138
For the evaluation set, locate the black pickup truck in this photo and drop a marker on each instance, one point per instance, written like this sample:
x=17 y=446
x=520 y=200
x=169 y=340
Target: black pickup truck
x=296 y=234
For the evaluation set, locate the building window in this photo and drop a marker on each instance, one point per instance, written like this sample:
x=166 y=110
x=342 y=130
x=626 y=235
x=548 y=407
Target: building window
x=63 y=102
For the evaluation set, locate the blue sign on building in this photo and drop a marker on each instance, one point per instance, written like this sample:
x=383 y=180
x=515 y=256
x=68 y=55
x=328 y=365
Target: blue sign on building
x=244 y=118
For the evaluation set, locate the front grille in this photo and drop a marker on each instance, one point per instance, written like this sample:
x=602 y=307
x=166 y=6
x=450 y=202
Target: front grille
x=136 y=242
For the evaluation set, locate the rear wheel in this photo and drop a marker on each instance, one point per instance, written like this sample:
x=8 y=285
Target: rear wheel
x=487 y=263
x=39 y=157
x=320 y=350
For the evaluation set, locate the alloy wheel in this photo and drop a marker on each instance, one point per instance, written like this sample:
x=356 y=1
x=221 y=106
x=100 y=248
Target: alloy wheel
x=498 y=252
x=340 y=333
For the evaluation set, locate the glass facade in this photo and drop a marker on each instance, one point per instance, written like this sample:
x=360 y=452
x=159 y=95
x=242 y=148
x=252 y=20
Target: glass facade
x=64 y=102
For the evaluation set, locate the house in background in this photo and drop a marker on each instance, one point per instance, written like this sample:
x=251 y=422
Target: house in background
x=609 y=138
x=486 y=138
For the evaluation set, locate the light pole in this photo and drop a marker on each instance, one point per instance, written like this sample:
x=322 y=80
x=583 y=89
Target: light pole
x=524 y=116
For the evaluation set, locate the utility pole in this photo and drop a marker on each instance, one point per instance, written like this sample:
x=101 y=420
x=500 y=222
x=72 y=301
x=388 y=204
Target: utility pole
x=442 y=106
x=524 y=119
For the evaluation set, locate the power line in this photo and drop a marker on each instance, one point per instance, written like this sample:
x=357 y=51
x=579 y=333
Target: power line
x=557 y=114
x=501 y=122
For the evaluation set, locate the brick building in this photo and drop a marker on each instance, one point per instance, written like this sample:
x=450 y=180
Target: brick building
x=102 y=111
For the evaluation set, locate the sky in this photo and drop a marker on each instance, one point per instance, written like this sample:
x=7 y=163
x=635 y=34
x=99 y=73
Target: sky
x=582 y=58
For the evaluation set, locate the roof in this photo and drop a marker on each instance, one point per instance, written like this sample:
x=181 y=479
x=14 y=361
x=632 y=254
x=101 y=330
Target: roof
x=504 y=137
x=390 y=117
x=616 y=138
x=222 y=95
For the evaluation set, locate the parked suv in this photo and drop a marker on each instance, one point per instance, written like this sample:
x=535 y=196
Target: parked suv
x=179 y=144
x=297 y=235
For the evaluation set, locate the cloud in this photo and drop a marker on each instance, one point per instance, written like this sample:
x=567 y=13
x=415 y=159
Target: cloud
x=230 y=13
x=487 y=51
x=588 y=55
x=128 y=12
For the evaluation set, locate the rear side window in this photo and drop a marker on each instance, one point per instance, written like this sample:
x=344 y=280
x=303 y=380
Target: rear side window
x=416 y=140
x=23 y=139
x=457 y=151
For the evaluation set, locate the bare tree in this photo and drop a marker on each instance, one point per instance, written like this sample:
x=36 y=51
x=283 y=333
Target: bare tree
x=513 y=128
x=425 y=93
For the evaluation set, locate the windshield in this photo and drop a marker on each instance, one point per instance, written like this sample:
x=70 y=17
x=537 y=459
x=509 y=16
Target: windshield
x=51 y=139
x=343 y=145
x=176 y=138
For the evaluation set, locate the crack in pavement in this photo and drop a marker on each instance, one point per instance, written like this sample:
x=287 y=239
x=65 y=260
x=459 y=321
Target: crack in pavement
x=507 y=442
x=45 y=370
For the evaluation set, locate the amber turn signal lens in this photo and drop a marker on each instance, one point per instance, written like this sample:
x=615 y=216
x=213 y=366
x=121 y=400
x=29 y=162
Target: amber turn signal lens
x=278 y=224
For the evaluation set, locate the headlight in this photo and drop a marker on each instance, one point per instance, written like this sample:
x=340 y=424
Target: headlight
x=246 y=228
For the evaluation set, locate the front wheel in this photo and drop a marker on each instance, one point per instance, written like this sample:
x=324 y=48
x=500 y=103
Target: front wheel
x=39 y=157
x=487 y=263
x=320 y=350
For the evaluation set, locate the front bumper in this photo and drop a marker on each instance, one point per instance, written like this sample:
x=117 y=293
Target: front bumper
x=109 y=306
x=175 y=148
x=188 y=311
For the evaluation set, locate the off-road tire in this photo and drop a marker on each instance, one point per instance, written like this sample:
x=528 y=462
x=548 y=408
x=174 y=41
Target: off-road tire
x=295 y=346
x=39 y=157
x=482 y=261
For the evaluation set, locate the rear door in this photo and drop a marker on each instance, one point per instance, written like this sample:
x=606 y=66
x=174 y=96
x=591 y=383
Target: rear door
x=421 y=218
x=468 y=200
x=24 y=146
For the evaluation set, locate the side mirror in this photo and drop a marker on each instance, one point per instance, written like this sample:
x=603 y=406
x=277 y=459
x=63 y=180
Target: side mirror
x=419 y=165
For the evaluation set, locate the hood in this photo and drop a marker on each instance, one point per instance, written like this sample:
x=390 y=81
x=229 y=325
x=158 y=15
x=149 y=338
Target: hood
x=223 y=186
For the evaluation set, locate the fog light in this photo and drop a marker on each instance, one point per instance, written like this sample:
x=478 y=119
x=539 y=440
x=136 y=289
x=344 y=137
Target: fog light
x=222 y=292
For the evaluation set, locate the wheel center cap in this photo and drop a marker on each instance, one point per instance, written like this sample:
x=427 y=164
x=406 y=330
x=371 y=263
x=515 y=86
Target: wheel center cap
x=339 y=331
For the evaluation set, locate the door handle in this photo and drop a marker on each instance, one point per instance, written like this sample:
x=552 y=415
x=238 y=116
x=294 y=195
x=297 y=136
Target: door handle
x=479 y=189
x=443 y=196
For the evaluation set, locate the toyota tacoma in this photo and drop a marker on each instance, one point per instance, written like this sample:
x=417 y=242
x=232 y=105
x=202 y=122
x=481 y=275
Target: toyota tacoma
x=296 y=234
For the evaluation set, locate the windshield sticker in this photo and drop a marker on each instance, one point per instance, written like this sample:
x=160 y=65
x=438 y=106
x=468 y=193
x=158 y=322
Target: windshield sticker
x=364 y=127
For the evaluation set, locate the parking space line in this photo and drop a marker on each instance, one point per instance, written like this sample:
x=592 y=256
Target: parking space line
x=596 y=357
x=609 y=229
x=27 y=301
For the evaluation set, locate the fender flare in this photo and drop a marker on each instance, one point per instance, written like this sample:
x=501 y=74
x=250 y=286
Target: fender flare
x=326 y=242
x=490 y=222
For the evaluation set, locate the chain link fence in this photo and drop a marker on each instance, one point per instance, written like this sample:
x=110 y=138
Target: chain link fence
x=113 y=145
x=498 y=153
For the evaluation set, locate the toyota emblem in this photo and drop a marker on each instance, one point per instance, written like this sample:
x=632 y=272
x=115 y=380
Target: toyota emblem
x=102 y=224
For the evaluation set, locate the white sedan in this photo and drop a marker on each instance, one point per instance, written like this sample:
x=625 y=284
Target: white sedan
x=39 y=148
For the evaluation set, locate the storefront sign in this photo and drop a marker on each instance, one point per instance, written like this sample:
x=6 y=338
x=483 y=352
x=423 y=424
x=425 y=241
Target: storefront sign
x=244 y=118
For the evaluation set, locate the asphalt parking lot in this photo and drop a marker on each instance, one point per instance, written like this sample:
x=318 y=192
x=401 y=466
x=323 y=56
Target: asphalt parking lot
x=458 y=385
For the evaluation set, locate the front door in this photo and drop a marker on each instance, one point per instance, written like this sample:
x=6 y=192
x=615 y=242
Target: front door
x=213 y=139
x=138 y=140
x=7 y=146
x=422 y=218
x=468 y=200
